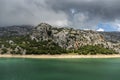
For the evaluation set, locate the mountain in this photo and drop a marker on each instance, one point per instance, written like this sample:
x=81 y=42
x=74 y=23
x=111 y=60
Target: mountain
x=15 y=30
x=70 y=38
x=111 y=36
x=66 y=37
x=46 y=39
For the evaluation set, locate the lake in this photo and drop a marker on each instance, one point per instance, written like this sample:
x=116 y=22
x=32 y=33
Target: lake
x=59 y=69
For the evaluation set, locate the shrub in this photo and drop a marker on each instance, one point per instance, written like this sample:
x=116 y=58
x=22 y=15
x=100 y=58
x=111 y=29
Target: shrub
x=93 y=50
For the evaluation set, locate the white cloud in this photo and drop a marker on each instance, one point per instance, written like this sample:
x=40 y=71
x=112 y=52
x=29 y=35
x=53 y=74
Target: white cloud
x=118 y=27
x=81 y=14
x=62 y=23
x=101 y=30
x=116 y=24
x=72 y=11
x=29 y=12
x=83 y=21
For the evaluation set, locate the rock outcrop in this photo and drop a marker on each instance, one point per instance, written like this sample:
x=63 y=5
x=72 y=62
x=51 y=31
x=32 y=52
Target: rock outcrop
x=29 y=39
x=70 y=38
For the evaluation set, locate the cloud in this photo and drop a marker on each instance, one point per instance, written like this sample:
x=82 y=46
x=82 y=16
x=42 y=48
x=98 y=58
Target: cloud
x=93 y=11
x=81 y=14
x=117 y=26
x=32 y=12
x=106 y=9
x=101 y=30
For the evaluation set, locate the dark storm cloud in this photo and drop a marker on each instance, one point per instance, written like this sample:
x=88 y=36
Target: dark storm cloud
x=86 y=14
x=105 y=9
x=18 y=12
x=83 y=14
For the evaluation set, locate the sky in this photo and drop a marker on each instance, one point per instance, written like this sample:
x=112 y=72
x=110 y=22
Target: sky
x=100 y=15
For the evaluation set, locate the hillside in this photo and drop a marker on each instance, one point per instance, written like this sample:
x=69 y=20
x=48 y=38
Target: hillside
x=15 y=30
x=111 y=36
x=46 y=39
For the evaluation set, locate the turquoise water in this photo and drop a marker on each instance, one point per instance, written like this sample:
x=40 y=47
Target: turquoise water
x=59 y=69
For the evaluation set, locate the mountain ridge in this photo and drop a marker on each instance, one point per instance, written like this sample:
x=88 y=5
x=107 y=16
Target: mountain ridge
x=71 y=38
x=33 y=39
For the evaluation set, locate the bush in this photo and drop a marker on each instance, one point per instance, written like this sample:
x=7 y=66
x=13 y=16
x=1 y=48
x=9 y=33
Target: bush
x=93 y=50
x=4 y=50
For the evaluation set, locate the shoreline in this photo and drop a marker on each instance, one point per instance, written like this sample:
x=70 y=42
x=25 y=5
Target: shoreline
x=59 y=56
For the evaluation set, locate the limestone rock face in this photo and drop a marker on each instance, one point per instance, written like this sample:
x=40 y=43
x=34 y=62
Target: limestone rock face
x=42 y=32
x=70 y=38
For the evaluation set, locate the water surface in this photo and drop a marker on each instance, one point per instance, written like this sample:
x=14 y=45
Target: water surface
x=59 y=69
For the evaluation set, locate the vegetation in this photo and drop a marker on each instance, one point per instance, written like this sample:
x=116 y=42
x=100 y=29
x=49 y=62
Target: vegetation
x=4 y=50
x=46 y=47
x=32 y=46
x=93 y=50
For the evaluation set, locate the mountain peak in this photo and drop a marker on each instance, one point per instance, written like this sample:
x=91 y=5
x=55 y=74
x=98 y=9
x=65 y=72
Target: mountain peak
x=43 y=26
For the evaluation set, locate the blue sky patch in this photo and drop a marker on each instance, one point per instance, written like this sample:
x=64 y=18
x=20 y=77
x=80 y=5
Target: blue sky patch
x=106 y=27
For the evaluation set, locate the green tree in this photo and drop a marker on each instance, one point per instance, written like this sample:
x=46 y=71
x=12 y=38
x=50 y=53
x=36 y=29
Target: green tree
x=4 y=50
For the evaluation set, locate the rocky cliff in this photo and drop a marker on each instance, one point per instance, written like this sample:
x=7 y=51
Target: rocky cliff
x=45 y=38
x=70 y=38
